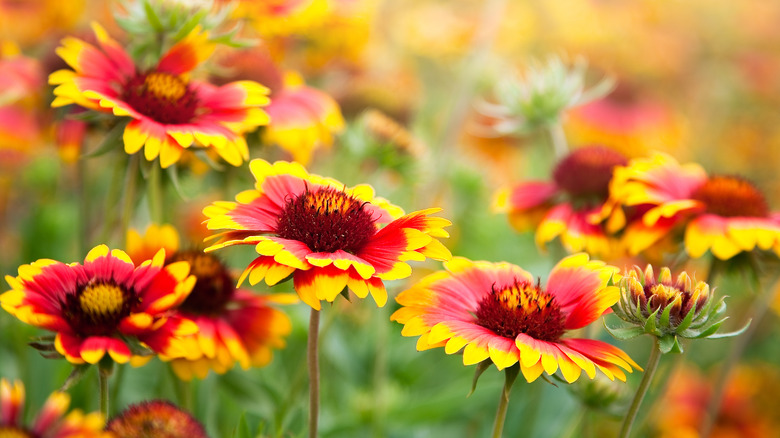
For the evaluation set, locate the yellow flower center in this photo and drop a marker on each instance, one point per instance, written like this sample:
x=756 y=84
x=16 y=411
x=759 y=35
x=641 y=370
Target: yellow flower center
x=12 y=432
x=101 y=299
x=521 y=307
x=162 y=97
x=327 y=220
x=165 y=86
x=731 y=196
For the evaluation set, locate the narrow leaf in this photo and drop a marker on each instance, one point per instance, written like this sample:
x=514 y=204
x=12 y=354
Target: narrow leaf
x=481 y=367
x=624 y=333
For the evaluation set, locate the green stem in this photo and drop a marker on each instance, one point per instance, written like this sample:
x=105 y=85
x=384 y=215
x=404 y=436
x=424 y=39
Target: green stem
x=114 y=192
x=650 y=368
x=131 y=180
x=380 y=374
x=83 y=201
x=155 y=193
x=103 y=374
x=312 y=357
x=558 y=138
x=510 y=374
x=755 y=315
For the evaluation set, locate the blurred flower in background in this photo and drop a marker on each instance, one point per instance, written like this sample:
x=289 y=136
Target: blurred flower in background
x=169 y=111
x=747 y=411
x=50 y=421
x=569 y=206
x=234 y=325
x=725 y=215
x=302 y=118
x=155 y=418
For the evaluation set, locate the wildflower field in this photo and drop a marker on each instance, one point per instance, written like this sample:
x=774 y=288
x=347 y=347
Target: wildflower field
x=407 y=218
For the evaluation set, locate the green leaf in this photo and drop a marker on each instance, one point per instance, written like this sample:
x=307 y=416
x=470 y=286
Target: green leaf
x=481 y=367
x=151 y=15
x=75 y=376
x=650 y=325
x=686 y=322
x=242 y=430
x=189 y=25
x=731 y=334
x=112 y=141
x=665 y=343
x=665 y=315
x=624 y=333
x=173 y=174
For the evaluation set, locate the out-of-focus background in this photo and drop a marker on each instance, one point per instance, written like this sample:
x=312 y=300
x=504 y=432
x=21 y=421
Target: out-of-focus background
x=697 y=79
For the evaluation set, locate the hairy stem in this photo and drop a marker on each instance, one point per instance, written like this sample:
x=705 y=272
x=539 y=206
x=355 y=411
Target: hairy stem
x=650 y=368
x=510 y=374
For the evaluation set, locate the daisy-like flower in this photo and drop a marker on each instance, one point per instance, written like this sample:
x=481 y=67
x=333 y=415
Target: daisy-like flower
x=51 y=421
x=155 y=419
x=103 y=306
x=234 y=325
x=725 y=215
x=569 y=206
x=323 y=234
x=499 y=312
x=169 y=111
x=303 y=118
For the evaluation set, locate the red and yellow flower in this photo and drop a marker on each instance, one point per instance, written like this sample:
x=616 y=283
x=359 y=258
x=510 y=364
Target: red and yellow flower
x=158 y=418
x=234 y=325
x=326 y=236
x=499 y=312
x=95 y=307
x=21 y=127
x=303 y=118
x=49 y=423
x=569 y=206
x=725 y=215
x=169 y=111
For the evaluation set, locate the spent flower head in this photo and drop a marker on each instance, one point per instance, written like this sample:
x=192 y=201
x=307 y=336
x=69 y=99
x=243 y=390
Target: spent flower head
x=538 y=97
x=668 y=308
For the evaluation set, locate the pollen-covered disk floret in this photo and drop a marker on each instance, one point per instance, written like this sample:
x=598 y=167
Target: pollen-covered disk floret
x=668 y=309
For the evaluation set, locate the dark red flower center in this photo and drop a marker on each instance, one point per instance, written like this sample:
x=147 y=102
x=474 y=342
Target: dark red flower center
x=327 y=220
x=214 y=286
x=162 y=97
x=585 y=173
x=97 y=307
x=731 y=196
x=521 y=307
x=155 y=418
x=14 y=432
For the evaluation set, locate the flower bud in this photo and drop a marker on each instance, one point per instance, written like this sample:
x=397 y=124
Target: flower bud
x=667 y=309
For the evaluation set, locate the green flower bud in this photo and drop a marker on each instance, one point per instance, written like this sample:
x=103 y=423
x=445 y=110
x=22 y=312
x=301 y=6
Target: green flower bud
x=538 y=98
x=668 y=309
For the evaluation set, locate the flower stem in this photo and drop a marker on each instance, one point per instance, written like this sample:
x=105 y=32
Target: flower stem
x=155 y=193
x=83 y=201
x=558 y=137
x=510 y=374
x=131 y=179
x=652 y=365
x=312 y=357
x=103 y=374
